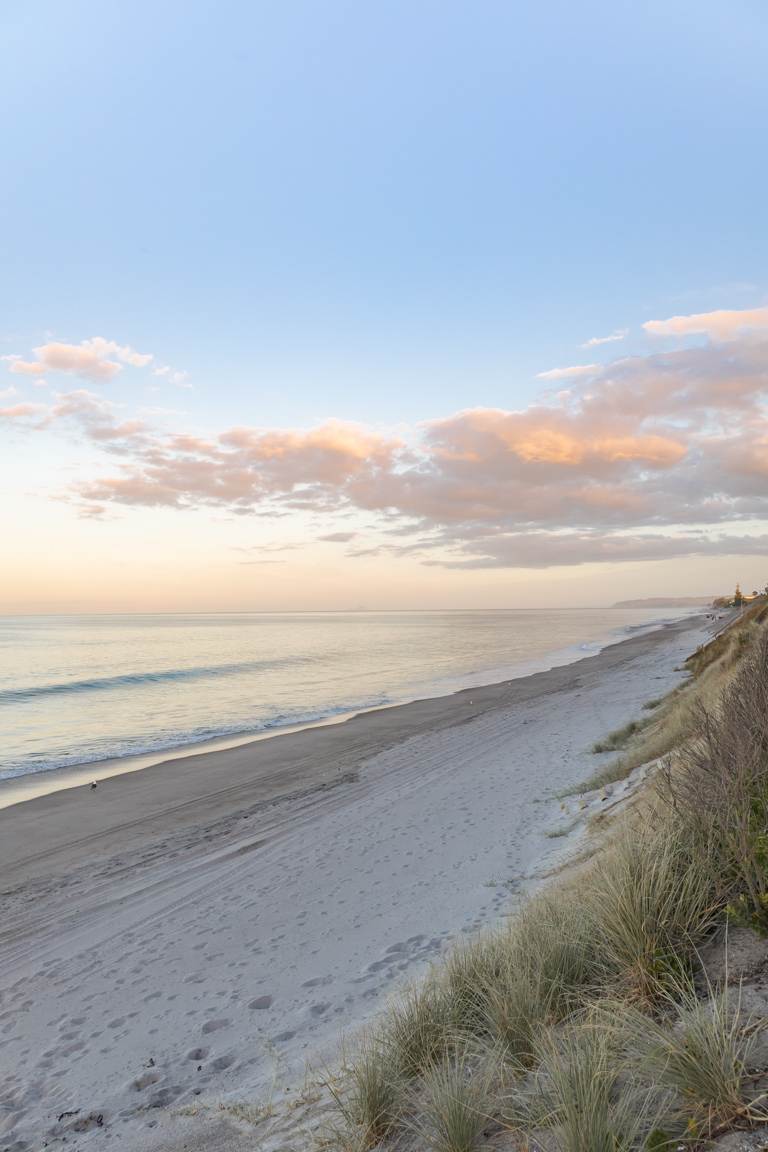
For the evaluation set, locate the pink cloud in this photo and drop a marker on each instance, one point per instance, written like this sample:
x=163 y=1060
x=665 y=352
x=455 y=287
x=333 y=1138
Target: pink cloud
x=720 y=325
x=89 y=359
x=23 y=411
x=634 y=462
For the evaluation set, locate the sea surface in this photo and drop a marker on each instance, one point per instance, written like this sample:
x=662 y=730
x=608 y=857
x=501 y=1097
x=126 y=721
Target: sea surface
x=79 y=689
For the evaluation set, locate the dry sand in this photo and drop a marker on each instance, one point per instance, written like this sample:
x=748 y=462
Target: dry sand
x=189 y=936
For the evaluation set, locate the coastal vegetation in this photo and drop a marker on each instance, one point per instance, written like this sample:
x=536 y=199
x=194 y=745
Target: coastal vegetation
x=595 y=1020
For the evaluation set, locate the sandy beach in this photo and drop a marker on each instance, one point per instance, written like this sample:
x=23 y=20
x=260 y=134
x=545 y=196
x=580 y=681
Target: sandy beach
x=194 y=934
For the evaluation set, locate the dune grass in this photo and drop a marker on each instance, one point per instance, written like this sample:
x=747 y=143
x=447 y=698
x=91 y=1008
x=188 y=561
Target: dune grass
x=619 y=739
x=374 y=1102
x=652 y=902
x=698 y=1050
x=457 y=1095
x=586 y=1096
x=420 y=1028
x=675 y=716
x=581 y=1014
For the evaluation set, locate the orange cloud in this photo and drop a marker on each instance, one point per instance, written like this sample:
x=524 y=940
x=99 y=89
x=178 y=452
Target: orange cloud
x=633 y=462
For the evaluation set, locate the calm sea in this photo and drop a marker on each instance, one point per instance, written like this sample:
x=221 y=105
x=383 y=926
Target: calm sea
x=78 y=689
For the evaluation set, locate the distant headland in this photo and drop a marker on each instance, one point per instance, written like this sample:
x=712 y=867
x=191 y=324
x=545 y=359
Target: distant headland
x=666 y=602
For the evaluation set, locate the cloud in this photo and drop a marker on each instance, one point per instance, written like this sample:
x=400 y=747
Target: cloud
x=721 y=325
x=594 y=341
x=172 y=375
x=246 y=466
x=89 y=359
x=552 y=550
x=574 y=372
x=96 y=417
x=649 y=456
x=96 y=359
x=24 y=412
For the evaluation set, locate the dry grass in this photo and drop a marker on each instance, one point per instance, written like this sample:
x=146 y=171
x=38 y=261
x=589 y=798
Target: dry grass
x=675 y=716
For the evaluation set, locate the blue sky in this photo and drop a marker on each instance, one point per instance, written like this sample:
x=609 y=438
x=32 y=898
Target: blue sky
x=381 y=213
x=313 y=205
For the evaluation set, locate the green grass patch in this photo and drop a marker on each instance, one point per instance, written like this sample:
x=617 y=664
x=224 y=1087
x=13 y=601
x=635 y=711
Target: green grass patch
x=619 y=739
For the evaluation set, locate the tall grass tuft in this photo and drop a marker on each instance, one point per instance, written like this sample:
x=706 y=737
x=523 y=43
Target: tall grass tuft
x=719 y=786
x=376 y=1096
x=554 y=943
x=652 y=902
x=507 y=985
x=700 y=1050
x=457 y=1102
x=473 y=971
x=420 y=1028
x=614 y=741
x=590 y=1105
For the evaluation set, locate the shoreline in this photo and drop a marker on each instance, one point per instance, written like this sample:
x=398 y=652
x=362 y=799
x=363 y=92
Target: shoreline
x=31 y=785
x=289 y=762
x=168 y=944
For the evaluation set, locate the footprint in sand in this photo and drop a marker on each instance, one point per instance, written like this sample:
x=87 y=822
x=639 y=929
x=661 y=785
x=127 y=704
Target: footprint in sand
x=145 y=1081
x=215 y=1025
x=317 y=981
x=260 y=1003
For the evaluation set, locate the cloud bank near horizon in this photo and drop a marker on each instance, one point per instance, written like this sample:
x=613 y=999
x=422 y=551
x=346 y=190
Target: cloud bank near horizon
x=646 y=457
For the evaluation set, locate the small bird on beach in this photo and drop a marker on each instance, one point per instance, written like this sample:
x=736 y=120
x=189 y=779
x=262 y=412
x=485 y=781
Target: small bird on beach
x=94 y=784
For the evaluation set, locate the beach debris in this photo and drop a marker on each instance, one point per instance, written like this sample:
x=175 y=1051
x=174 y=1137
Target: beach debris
x=65 y=1115
x=94 y=784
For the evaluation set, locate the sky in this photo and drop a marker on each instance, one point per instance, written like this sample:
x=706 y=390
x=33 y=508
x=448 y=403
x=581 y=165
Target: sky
x=337 y=305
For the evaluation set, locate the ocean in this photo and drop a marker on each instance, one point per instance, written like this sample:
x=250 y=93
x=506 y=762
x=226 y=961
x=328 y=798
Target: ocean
x=76 y=690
